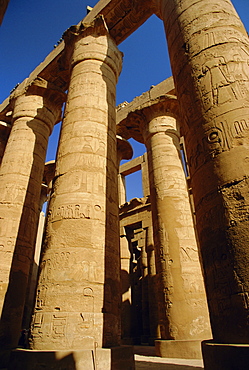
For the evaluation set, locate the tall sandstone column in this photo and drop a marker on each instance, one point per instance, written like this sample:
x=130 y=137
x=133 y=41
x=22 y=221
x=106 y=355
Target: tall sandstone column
x=78 y=295
x=183 y=314
x=36 y=108
x=152 y=283
x=209 y=51
x=124 y=151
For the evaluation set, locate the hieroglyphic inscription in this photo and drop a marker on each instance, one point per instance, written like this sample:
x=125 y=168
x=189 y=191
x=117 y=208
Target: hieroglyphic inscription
x=90 y=143
x=219 y=138
x=12 y=193
x=87 y=313
x=89 y=182
x=41 y=297
x=59 y=321
x=75 y=267
x=75 y=211
x=37 y=322
x=189 y=254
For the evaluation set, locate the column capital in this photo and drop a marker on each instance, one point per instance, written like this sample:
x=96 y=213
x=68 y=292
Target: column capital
x=47 y=96
x=124 y=149
x=81 y=43
x=141 y=122
x=40 y=86
x=96 y=27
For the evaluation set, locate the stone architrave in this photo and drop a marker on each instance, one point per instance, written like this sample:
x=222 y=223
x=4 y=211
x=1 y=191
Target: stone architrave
x=36 y=109
x=78 y=296
x=183 y=314
x=209 y=56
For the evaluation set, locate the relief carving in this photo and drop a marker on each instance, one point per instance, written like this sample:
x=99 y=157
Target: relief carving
x=41 y=297
x=59 y=322
x=77 y=211
x=220 y=80
x=189 y=254
x=73 y=266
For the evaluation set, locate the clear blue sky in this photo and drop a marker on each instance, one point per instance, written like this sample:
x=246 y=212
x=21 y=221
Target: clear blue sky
x=30 y=29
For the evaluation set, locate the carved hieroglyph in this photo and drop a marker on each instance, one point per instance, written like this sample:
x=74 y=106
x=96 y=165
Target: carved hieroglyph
x=78 y=296
x=209 y=52
x=182 y=306
x=35 y=111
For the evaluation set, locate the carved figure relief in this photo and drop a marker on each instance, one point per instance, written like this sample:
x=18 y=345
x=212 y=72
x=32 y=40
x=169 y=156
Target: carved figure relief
x=220 y=80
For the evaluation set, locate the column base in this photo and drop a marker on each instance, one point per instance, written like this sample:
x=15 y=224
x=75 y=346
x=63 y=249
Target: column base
x=218 y=356
x=116 y=358
x=190 y=349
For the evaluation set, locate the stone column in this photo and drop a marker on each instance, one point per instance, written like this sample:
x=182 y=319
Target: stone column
x=48 y=175
x=145 y=176
x=125 y=256
x=124 y=151
x=209 y=48
x=121 y=189
x=152 y=284
x=36 y=108
x=183 y=314
x=78 y=298
x=145 y=290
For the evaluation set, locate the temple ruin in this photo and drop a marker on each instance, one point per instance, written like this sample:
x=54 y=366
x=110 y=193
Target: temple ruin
x=169 y=269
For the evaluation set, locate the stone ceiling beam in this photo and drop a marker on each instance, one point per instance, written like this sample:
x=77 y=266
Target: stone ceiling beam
x=129 y=115
x=122 y=19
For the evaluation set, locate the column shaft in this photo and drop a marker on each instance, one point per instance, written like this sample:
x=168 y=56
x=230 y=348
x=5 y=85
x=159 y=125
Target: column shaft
x=124 y=151
x=209 y=59
x=20 y=185
x=78 y=297
x=182 y=306
x=152 y=285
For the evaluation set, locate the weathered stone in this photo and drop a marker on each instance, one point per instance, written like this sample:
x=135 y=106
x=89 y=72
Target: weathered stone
x=209 y=58
x=78 y=300
x=139 y=303
x=183 y=312
x=209 y=50
x=124 y=151
x=35 y=111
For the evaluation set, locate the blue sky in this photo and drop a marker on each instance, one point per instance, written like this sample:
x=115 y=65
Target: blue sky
x=30 y=29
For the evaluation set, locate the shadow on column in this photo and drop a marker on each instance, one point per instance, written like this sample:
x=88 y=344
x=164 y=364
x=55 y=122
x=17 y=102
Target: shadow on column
x=39 y=359
x=121 y=357
x=144 y=365
x=13 y=308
